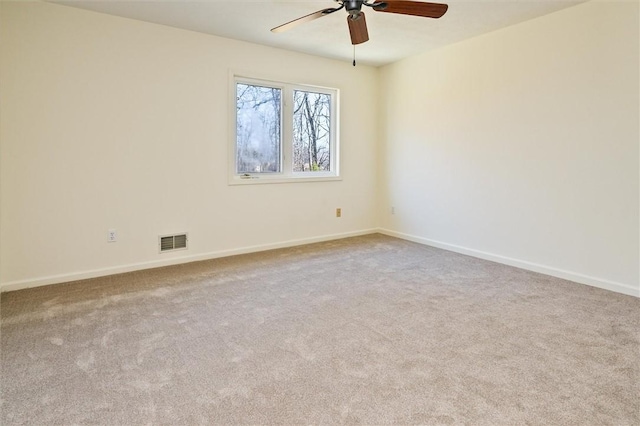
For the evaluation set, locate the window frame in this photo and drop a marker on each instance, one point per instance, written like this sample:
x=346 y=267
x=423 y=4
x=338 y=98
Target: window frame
x=286 y=173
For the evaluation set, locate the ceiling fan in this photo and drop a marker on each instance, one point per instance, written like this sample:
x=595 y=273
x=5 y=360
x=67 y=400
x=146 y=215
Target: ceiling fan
x=356 y=20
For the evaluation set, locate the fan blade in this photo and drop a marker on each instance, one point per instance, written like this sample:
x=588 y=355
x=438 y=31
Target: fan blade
x=415 y=8
x=306 y=18
x=358 y=28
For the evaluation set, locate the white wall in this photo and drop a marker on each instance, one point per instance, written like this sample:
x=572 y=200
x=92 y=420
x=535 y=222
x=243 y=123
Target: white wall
x=522 y=146
x=113 y=123
x=519 y=146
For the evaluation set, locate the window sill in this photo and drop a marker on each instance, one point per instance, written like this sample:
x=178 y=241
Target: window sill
x=261 y=180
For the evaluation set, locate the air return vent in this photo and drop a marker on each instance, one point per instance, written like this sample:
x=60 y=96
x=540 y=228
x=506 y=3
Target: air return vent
x=172 y=242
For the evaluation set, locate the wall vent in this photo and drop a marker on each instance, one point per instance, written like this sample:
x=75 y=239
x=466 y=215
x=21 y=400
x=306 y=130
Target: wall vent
x=172 y=242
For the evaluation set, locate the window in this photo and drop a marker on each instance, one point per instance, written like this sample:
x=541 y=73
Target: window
x=258 y=128
x=283 y=132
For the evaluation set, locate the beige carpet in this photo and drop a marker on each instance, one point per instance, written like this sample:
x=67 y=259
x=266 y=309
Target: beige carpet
x=367 y=330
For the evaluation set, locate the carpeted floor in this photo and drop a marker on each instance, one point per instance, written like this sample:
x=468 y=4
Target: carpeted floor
x=366 y=330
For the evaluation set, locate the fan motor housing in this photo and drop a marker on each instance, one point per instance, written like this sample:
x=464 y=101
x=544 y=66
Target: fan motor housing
x=353 y=6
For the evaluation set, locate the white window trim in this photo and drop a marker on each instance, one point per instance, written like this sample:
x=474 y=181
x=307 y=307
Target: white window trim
x=287 y=175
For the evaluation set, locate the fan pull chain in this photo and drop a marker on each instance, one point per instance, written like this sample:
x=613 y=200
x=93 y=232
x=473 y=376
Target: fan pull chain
x=354 y=55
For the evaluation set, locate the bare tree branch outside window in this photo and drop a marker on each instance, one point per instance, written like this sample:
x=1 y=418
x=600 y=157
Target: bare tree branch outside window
x=311 y=131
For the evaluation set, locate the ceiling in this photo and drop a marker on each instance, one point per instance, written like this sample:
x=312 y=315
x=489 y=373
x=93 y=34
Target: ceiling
x=392 y=37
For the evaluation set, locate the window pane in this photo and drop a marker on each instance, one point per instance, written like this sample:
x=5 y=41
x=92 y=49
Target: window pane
x=311 y=131
x=257 y=129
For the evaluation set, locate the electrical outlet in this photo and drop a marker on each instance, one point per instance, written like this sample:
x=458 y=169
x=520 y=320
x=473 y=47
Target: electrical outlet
x=338 y=212
x=112 y=236
x=393 y=210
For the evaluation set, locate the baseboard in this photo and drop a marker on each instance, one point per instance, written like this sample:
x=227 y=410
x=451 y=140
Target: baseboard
x=75 y=276
x=523 y=264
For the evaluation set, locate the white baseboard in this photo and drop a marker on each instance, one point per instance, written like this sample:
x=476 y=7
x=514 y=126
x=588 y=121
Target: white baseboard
x=75 y=276
x=523 y=264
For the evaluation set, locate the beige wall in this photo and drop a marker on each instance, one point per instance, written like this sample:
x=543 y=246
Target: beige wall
x=521 y=146
x=114 y=123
